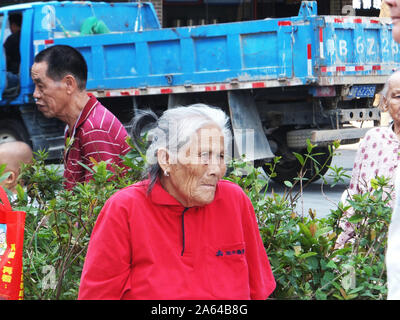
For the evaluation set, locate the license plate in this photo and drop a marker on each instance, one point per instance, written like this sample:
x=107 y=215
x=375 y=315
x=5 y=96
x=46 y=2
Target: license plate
x=364 y=91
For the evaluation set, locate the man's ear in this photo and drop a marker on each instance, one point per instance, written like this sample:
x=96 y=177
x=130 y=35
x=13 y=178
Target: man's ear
x=70 y=83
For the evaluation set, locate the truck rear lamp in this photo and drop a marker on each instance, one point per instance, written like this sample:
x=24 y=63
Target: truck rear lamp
x=324 y=91
x=284 y=23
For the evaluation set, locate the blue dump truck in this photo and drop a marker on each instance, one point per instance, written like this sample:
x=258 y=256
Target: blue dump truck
x=281 y=80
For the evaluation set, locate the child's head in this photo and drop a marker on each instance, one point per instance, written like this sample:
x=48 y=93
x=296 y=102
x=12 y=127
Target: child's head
x=13 y=154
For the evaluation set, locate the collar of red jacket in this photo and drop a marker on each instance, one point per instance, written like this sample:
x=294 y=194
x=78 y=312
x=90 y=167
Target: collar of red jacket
x=160 y=196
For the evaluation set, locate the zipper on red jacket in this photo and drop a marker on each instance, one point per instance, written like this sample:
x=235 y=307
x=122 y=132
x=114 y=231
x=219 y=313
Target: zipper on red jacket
x=183 y=230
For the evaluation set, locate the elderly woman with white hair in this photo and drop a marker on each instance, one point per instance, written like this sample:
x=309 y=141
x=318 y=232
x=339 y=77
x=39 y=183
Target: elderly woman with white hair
x=182 y=233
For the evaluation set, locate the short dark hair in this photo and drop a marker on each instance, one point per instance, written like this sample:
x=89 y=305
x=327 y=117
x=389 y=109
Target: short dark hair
x=15 y=18
x=63 y=60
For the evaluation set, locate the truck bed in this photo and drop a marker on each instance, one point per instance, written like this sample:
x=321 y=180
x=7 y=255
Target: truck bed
x=302 y=50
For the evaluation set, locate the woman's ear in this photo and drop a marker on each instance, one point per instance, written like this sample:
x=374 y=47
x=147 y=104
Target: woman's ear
x=163 y=159
x=384 y=104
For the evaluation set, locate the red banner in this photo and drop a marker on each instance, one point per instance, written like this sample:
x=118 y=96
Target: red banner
x=12 y=225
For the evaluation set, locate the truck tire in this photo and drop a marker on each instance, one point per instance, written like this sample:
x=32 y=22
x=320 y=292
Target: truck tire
x=13 y=130
x=289 y=169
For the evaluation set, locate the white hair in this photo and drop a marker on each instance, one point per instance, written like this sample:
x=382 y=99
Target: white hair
x=175 y=128
x=385 y=91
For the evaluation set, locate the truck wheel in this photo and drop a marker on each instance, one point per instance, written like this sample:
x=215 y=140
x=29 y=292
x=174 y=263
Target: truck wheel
x=12 y=130
x=289 y=167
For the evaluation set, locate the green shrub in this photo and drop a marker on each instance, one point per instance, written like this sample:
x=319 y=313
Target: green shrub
x=59 y=222
x=300 y=247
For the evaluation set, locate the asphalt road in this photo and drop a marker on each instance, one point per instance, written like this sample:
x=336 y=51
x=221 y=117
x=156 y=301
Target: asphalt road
x=319 y=196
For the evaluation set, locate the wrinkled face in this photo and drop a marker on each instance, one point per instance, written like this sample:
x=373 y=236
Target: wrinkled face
x=393 y=99
x=394 y=7
x=199 y=166
x=50 y=95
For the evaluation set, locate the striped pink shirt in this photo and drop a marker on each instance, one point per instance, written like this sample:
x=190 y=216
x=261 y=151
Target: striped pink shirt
x=97 y=134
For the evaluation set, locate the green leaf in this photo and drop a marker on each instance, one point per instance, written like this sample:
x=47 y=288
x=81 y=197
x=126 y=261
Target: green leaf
x=305 y=230
x=331 y=265
x=356 y=290
x=356 y=218
x=307 y=255
x=299 y=157
x=312 y=263
x=20 y=192
x=323 y=231
x=310 y=146
x=336 y=144
x=288 y=184
x=4 y=176
x=327 y=278
x=368 y=270
x=289 y=253
x=319 y=295
x=86 y=167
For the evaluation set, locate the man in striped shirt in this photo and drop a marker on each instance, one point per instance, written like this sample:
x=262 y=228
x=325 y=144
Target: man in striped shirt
x=92 y=132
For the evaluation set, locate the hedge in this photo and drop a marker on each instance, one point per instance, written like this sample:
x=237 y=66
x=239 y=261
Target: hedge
x=300 y=248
